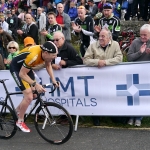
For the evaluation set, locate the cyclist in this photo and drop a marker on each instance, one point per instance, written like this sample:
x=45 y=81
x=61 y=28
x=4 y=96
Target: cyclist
x=21 y=70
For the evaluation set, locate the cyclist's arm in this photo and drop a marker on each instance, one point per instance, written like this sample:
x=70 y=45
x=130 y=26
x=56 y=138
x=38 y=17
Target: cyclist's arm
x=23 y=74
x=50 y=71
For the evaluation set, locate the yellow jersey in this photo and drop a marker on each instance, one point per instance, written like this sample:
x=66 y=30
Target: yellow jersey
x=30 y=57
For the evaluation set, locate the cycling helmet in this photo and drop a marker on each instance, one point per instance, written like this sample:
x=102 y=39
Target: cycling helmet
x=49 y=47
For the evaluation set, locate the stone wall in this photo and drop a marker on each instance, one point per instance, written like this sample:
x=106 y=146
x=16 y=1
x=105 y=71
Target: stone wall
x=133 y=25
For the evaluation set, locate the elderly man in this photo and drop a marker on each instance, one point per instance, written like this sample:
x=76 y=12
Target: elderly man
x=140 y=51
x=67 y=55
x=64 y=21
x=103 y=53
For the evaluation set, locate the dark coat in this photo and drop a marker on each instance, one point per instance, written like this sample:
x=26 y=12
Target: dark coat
x=69 y=54
x=32 y=32
x=5 y=38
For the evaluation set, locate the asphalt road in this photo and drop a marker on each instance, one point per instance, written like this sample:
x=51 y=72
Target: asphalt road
x=83 y=139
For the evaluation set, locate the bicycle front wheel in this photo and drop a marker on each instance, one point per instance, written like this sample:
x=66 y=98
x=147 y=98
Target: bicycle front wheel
x=53 y=123
x=8 y=126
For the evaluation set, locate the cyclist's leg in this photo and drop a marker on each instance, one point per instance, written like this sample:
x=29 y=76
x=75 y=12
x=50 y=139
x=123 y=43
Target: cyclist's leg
x=27 y=98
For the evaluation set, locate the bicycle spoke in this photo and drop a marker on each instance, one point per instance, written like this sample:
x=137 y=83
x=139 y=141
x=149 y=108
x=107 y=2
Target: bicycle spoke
x=51 y=127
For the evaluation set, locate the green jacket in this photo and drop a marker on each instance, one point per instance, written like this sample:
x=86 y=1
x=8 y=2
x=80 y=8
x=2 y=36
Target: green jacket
x=11 y=56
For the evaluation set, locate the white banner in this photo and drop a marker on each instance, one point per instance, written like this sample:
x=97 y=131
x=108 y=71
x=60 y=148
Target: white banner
x=114 y=90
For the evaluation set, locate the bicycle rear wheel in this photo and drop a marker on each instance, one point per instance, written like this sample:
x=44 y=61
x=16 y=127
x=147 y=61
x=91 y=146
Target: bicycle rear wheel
x=57 y=127
x=8 y=126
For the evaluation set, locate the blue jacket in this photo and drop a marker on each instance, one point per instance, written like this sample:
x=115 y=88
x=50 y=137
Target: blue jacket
x=117 y=10
x=72 y=13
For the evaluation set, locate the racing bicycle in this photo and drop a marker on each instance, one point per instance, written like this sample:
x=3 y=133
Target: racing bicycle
x=48 y=118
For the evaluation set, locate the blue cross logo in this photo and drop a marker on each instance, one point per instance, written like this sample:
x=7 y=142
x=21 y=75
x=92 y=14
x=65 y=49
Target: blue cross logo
x=133 y=90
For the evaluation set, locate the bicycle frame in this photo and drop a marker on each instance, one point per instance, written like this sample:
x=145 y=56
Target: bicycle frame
x=8 y=97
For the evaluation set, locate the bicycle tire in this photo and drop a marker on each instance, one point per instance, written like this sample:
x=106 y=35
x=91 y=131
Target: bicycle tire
x=58 y=128
x=8 y=126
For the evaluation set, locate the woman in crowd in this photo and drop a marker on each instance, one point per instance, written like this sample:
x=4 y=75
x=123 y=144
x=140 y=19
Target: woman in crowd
x=13 y=49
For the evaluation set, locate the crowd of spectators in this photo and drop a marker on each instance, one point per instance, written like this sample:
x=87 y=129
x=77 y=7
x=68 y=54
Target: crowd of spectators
x=96 y=22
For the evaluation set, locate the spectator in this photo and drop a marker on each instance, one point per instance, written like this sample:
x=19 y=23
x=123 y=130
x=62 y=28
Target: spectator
x=140 y=51
x=45 y=2
x=30 y=29
x=10 y=20
x=2 y=66
x=116 y=8
x=129 y=10
x=28 y=41
x=15 y=24
x=3 y=6
x=83 y=26
x=5 y=38
x=72 y=11
x=41 y=23
x=67 y=55
x=64 y=21
x=109 y=21
x=146 y=12
x=135 y=9
x=100 y=5
x=3 y=23
x=9 y=4
x=83 y=3
x=53 y=26
x=13 y=49
x=104 y=52
x=124 y=8
x=93 y=9
x=50 y=8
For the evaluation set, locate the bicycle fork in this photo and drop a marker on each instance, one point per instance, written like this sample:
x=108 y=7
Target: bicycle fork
x=47 y=118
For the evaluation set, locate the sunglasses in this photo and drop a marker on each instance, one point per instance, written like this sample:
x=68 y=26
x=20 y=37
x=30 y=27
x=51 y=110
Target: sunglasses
x=12 y=47
x=56 y=39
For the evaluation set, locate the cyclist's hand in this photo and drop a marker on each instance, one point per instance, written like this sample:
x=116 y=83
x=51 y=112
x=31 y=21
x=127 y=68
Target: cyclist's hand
x=56 y=84
x=39 y=88
x=143 y=47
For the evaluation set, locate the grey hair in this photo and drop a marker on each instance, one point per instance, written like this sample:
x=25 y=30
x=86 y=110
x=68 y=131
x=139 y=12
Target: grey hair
x=108 y=31
x=13 y=43
x=145 y=26
x=60 y=33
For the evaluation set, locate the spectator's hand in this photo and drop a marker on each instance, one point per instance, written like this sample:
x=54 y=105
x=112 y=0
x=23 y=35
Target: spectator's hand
x=101 y=63
x=76 y=28
x=62 y=63
x=97 y=28
x=147 y=50
x=143 y=48
x=7 y=61
x=56 y=67
x=43 y=32
x=20 y=32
